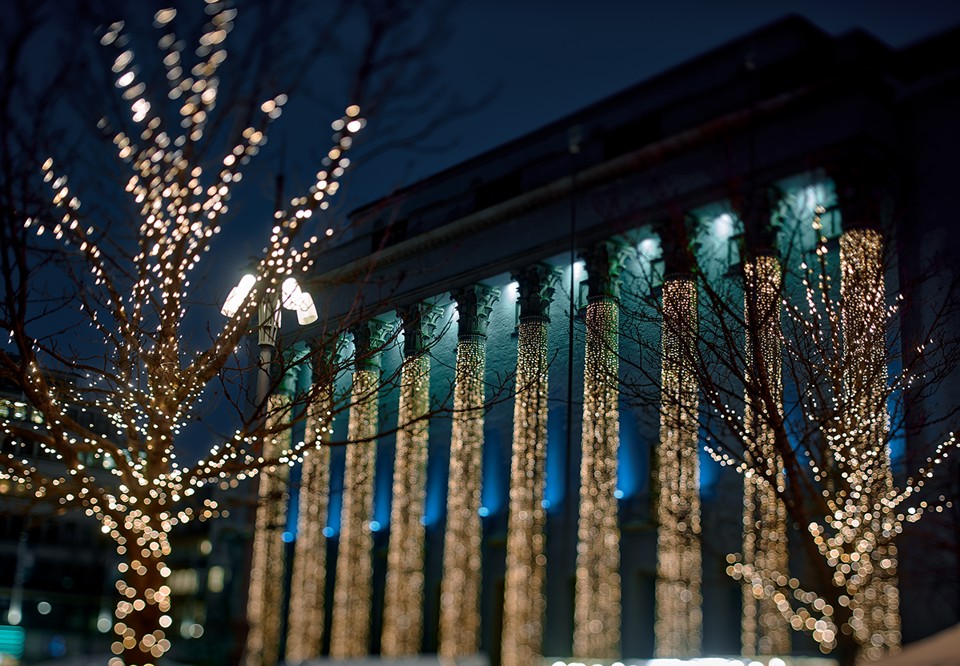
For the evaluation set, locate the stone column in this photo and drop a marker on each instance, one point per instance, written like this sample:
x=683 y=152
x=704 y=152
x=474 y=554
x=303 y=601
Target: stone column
x=596 y=631
x=763 y=628
x=305 y=615
x=865 y=428
x=403 y=597
x=526 y=560
x=678 y=599
x=265 y=596
x=353 y=586
x=460 y=589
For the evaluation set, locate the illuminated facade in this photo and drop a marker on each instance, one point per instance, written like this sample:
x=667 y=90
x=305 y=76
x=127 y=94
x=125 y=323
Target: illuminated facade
x=564 y=474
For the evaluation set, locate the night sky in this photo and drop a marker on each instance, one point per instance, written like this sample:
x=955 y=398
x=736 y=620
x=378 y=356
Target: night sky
x=548 y=58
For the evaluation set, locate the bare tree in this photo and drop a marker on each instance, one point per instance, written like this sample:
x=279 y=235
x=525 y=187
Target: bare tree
x=805 y=385
x=116 y=338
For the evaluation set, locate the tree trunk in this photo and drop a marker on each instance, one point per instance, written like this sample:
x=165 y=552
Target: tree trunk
x=142 y=613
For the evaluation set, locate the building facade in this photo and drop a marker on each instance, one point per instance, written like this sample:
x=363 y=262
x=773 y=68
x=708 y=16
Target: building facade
x=527 y=474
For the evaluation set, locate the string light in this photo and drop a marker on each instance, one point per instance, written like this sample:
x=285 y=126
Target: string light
x=305 y=618
x=353 y=592
x=679 y=616
x=403 y=597
x=863 y=510
x=596 y=632
x=265 y=596
x=763 y=630
x=460 y=588
x=523 y=604
x=151 y=381
x=864 y=316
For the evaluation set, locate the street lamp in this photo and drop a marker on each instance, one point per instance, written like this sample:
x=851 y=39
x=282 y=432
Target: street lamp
x=291 y=297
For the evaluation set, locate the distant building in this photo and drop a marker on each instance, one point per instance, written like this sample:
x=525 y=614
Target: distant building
x=55 y=572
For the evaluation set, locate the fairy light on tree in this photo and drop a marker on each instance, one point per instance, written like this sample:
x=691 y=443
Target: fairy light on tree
x=863 y=320
x=151 y=377
x=403 y=597
x=596 y=632
x=523 y=604
x=353 y=592
x=678 y=599
x=839 y=486
x=460 y=589
x=763 y=631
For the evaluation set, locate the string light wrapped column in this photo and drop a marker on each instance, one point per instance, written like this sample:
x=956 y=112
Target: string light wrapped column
x=679 y=616
x=460 y=588
x=596 y=631
x=305 y=618
x=403 y=597
x=265 y=596
x=526 y=561
x=866 y=418
x=763 y=629
x=353 y=591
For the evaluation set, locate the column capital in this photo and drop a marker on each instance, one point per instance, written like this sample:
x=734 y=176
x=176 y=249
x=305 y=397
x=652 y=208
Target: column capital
x=675 y=246
x=288 y=382
x=755 y=210
x=369 y=339
x=863 y=185
x=604 y=261
x=537 y=284
x=326 y=357
x=419 y=322
x=293 y=363
x=474 y=304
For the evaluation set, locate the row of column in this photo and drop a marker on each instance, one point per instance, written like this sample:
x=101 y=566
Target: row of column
x=598 y=585
x=597 y=602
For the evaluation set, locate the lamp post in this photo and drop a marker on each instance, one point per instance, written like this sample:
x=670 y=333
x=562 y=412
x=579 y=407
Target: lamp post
x=291 y=297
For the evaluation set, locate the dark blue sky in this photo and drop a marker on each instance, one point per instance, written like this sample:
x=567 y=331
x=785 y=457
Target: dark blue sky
x=548 y=58
x=555 y=57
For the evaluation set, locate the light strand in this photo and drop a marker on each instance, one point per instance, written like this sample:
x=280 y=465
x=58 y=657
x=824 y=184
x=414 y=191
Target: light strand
x=596 y=632
x=353 y=590
x=679 y=616
x=307 y=587
x=460 y=588
x=403 y=597
x=523 y=604
x=863 y=317
x=763 y=630
x=265 y=594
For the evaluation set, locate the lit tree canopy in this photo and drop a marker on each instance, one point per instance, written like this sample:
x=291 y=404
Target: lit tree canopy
x=806 y=411
x=134 y=284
